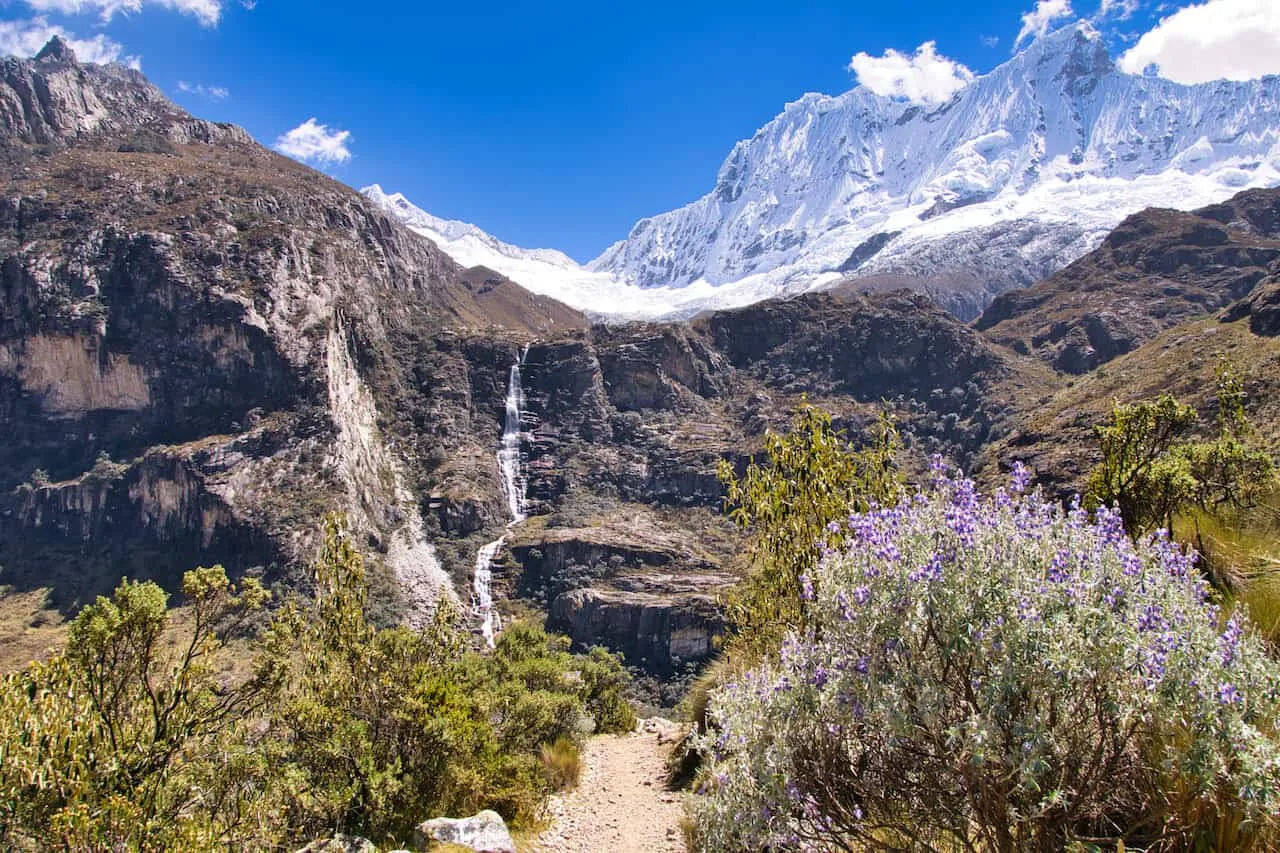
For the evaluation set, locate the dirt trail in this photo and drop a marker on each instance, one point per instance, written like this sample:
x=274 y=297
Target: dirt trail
x=621 y=804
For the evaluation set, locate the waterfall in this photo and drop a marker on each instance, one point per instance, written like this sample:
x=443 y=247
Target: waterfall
x=513 y=485
x=482 y=598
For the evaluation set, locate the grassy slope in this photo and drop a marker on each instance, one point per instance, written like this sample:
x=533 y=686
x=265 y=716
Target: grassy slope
x=1057 y=441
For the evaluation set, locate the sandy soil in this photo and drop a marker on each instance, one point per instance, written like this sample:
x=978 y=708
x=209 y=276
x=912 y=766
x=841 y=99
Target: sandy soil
x=621 y=804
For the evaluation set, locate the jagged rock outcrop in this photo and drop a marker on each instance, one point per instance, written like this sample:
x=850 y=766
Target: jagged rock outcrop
x=867 y=347
x=1157 y=269
x=651 y=366
x=54 y=100
x=658 y=632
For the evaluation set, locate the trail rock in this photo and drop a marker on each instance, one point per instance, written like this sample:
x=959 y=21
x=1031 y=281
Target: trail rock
x=485 y=832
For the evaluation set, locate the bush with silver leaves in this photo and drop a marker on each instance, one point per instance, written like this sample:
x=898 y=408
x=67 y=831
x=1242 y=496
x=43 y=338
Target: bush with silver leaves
x=998 y=673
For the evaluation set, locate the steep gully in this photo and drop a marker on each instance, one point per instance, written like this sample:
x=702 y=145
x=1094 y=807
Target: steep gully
x=513 y=489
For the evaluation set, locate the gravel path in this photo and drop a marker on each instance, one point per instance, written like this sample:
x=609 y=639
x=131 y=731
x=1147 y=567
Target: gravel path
x=621 y=804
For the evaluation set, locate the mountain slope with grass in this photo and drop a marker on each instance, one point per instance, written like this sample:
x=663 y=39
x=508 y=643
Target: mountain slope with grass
x=1157 y=269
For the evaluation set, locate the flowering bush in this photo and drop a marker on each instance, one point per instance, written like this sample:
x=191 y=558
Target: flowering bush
x=997 y=674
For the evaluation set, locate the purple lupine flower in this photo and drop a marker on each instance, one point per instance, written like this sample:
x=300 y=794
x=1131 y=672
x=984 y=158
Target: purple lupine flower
x=861 y=594
x=1027 y=611
x=888 y=552
x=1019 y=479
x=1228 y=694
x=930 y=571
x=1130 y=565
x=1229 y=641
x=1152 y=618
x=1110 y=526
x=1058 y=566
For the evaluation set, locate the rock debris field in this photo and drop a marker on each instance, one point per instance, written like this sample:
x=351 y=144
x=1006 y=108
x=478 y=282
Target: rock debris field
x=621 y=804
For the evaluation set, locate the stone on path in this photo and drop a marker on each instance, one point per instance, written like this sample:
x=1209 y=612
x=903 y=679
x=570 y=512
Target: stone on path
x=485 y=832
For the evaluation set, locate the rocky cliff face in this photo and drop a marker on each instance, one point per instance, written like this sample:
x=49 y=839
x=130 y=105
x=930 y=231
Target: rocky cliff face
x=216 y=327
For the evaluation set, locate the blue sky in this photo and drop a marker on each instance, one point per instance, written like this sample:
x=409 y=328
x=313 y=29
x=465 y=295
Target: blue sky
x=559 y=125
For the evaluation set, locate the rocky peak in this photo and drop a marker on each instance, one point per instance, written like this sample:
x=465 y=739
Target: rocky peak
x=1073 y=51
x=57 y=50
x=55 y=100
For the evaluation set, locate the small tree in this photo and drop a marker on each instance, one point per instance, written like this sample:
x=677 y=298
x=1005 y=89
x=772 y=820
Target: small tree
x=811 y=479
x=109 y=745
x=1139 y=472
x=1153 y=470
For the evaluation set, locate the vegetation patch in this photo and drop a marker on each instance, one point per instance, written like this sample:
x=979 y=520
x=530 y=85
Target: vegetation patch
x=998 y=673
x=134 y=739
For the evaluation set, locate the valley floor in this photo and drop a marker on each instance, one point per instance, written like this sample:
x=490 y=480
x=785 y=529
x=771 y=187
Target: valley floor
x=621 y=803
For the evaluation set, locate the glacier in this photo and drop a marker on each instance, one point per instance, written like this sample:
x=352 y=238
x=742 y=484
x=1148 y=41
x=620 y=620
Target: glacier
x=1021 y=172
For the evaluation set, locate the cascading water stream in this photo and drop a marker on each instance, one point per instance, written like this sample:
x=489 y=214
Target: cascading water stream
x=513 y=489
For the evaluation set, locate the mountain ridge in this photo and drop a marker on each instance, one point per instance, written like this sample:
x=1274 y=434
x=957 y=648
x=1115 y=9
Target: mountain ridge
x=1021 y=172
x=830 y=172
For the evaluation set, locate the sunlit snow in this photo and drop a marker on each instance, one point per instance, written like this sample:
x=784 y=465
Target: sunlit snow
x=1057 y=143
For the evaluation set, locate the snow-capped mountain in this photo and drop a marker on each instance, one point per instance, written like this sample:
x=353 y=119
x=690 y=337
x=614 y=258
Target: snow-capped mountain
x=464 y=242
x=1020 y=173
x=545 y=271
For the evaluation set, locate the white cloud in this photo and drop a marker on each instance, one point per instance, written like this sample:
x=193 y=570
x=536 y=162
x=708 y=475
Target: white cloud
x=1121 y=9
x=1036 y=22
x=1231 y=39
x=924 y=77
x=216 y=93
x=316 y=143
x=206 y=11
x=990 y=41
x=27 y=37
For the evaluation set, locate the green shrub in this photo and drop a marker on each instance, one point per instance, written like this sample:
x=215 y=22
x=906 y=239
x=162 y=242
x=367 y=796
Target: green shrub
x=130 y=741
x=1153 y=471
x=121 y=741
x=810 y=478
x=387 y=727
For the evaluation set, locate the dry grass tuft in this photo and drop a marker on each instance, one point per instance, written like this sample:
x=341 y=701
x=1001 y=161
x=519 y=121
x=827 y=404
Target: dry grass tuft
x=563 y=763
